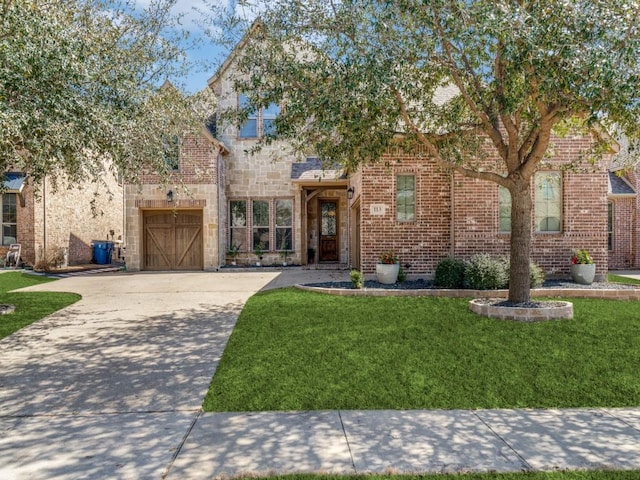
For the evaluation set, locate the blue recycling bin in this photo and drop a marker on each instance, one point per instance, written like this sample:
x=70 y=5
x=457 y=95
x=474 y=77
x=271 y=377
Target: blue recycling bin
x=102 y=252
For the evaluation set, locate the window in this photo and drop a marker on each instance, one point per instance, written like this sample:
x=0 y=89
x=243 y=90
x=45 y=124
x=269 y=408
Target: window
x=238 y=223
x=284 y=224
x=171 y=153
x=9 y=218
x=406 y=198
x=269 y=222
x=548 y=201
x=269 y=115
x=260 y=224
x=610 y=226
x=504 y=210
x=258 y=123
x=249 y=129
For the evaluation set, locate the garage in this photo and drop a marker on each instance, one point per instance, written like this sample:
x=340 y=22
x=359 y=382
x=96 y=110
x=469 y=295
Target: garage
x=172 y=240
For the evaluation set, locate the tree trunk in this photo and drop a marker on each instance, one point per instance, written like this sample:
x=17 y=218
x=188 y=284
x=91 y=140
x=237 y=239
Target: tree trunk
x=521 y=208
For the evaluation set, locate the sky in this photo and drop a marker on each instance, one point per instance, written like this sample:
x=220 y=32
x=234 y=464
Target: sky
x=207 y=55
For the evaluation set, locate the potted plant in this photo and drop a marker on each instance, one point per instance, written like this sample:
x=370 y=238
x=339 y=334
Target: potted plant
x=284 y=254
x=388 y=267
x=258 y=251
x=583 y=270
x=233 y=252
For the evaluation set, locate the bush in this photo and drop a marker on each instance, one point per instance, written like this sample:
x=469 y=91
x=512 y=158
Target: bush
x=537 y=275
x=450 y=273
x=402 y=275
x=487 y=272
x=357 y=279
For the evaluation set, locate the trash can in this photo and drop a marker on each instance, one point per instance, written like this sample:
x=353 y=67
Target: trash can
x=102 y=252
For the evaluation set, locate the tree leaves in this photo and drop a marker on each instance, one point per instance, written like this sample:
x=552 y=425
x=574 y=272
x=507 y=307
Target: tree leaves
x=79 y=88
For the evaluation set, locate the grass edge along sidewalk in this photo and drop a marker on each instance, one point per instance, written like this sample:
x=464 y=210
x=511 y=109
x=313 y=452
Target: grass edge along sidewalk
x=30 y=306
x=293 y=350
x=557 y=475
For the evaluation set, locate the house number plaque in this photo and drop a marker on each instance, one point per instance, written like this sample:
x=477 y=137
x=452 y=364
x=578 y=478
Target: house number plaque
x=378 y=209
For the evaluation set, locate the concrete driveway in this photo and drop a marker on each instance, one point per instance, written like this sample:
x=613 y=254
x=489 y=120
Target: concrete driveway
x=110 y=386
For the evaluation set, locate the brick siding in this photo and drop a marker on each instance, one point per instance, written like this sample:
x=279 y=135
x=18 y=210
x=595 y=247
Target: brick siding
x=458 y=216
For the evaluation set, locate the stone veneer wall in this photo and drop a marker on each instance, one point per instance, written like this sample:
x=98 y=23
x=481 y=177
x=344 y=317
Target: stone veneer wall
x=201 y=197
x=194 y=186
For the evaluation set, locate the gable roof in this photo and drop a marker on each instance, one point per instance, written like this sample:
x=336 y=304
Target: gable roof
x=619 y=186
x=14 y=182
x=234 y=53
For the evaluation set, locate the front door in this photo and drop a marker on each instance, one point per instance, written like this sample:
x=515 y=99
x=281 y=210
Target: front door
x=328 y=231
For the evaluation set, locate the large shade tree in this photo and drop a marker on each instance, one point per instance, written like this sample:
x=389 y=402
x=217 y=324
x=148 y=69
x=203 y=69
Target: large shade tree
x=80 y=88
x=354 y=75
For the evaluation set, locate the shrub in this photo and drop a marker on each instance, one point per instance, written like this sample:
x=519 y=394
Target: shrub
x=54 y=258
x=537 y=275
x=487 y=272
x=450 y=273
x=357 y=278
x=402 y=275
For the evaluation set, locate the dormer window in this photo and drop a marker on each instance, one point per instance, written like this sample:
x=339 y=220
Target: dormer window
x=258 y=123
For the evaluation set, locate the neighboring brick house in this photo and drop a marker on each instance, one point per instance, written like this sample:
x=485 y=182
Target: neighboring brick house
x=45 y=219
x=623 y=229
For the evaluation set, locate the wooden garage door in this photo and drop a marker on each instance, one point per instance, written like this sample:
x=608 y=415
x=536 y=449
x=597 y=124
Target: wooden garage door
x=173 y=240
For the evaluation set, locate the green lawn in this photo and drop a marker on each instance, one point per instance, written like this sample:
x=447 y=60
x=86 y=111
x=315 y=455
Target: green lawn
x=571 y=475
x=618 y=279
x=30 y=306
x=296 y=350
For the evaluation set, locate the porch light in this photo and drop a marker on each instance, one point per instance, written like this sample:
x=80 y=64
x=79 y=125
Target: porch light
x=170 y=196
x=350 y=192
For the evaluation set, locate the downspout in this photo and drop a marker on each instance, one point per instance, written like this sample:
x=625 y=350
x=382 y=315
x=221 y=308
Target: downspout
x=452 y=228
x=44 y=219
x=222 y=220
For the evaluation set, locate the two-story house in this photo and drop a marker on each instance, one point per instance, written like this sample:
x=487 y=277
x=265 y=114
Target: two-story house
x=277 y=203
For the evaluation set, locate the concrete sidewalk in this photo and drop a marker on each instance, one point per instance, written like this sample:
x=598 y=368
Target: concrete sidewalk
x=349 y=442
x=111 y=387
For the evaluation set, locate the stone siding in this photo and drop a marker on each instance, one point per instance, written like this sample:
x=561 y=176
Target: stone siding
x=194 y=187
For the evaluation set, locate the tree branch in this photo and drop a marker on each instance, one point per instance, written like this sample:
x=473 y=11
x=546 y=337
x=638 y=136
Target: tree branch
x=435 y=153
x=490 y=129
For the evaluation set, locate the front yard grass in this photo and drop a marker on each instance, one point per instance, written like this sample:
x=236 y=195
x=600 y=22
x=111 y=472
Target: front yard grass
x=563 y=475
x=296 y=350
x=30 y=306
x=619 y=279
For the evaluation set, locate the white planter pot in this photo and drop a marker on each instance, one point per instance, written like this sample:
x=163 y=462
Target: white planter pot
x=583 y=273
x=387 y=273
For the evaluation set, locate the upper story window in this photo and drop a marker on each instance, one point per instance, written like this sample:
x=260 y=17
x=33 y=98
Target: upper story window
x=548 y=201
x=259 y=123
x=406 y=198
x=172 y=153
x=9 y=218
